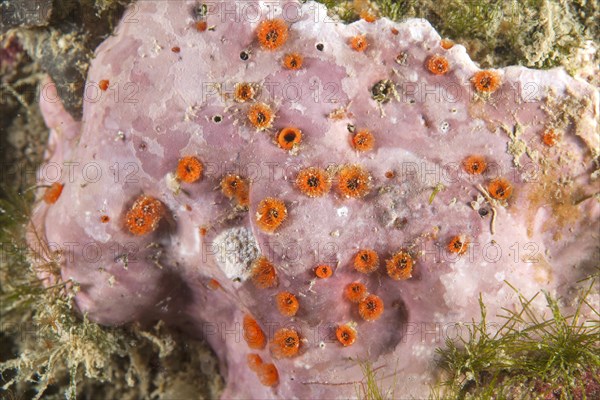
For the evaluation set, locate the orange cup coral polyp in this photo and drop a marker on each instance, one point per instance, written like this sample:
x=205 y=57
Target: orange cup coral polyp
x=189 y=169
x=144 y=215
x=486 y=81
x=355 y=292
x=261 y=116
x=500 y=188
x=253 y=334
x=353 y=181
x=370 y=308
x=285 y=343
x=313 y=181
x=346 y=335
x=270 y=214
x=474 y=165
x=438 y=65
x=263 y=273
x=272 y=33
x=366 y=261
x=400 y=266
x=287 y=304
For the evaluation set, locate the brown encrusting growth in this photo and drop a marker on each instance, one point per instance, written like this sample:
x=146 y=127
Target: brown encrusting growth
x=272 y=33
x=458 y=245
x=263 y=273
x=353 y=181
x=253 y=335
x=144 y=215
x=270 y=214
x=313 y=181
x=363 y=140
x=486 y=81
x=287 y=304
x=359 y=43
x=438 y=65
x=370 y=308
x=474 y=165
x=285 y=343
x=500 y=188
x=261 y=116
x=53 y=192
x=355 y=292
x=400 y=266
x=189 y=169
x=323 y=271
x=293 y=61
x=289 y=137
x=346 y=335
x=366 y=261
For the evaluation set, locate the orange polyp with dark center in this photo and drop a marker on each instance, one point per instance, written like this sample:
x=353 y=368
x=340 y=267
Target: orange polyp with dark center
x=359 y=43
x=500 y=188
x=104 y=219
x=486 y=81
x=370 y=308
x=263 y=273
x=438 y=65
x=400 y=266
x=474 y=165
x=53 y=192
x=260 y=116
x=366 y=261
x=353 y=181
x=458 y=245
x=285 y=343
x=243 y=92
x=313 y=182
x=272 y=33
x=293 y=61
x=289 y=137
x=346 y=335
x=253 y=334
x=144 y=215
x=230 y=185
x=287 y=304
x=189 y=169
x=363 y=140
x=234 y=187
x=270 y=214
x=355 y=292
x=323 y=271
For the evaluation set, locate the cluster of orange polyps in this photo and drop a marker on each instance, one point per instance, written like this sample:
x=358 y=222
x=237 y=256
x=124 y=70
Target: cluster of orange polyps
x=353 y=181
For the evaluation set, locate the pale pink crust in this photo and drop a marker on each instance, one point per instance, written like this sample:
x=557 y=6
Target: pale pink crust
x=167 y=108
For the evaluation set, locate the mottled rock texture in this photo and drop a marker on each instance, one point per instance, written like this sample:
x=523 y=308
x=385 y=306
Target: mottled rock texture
x=172 y=69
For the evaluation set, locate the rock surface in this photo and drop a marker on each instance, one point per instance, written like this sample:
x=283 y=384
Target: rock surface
x=172 y=71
